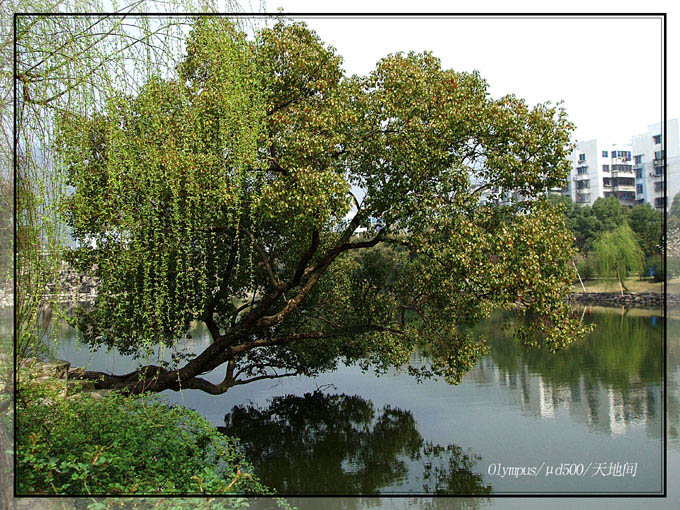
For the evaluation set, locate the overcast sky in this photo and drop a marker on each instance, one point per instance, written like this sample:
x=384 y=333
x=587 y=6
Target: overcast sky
x=606 y=70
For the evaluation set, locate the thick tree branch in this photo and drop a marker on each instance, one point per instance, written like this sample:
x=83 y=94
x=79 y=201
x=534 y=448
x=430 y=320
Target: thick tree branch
x=198 y=383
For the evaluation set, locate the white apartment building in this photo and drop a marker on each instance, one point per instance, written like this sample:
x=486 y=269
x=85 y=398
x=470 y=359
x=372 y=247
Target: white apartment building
x=601 y=170
x=649 y=163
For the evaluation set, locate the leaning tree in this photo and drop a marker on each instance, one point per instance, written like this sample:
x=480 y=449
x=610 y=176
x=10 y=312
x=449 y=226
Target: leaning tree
x=309 y=218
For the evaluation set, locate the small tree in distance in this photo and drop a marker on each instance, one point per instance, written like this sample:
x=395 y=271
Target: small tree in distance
x=617 y=254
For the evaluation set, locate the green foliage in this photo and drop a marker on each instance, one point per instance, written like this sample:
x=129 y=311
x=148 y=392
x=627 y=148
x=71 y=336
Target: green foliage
x=672 y=266
x=610 y=213
x=230 y=182
x=585 y=267
x=674 y=211
x=581 y=220
x=126 y=445
x=177 y=503
x=618 y=254
x=588 y=224
x=166 y=170
x=647 y=224
x=662 y=271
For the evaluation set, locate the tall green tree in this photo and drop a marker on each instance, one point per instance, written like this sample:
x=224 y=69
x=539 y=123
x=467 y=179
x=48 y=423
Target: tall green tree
x=609 y=212
x=224 y=194
x=581 y=220
x=674 y=211
x=618 y=254
x=647 y=224
x=674 y=217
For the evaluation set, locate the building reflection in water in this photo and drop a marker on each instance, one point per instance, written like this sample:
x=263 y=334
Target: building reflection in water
x=611 y=381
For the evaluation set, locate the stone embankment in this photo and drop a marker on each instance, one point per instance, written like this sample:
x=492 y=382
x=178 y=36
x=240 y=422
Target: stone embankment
x=627 y=299
x=55 y=375
x=72 y=288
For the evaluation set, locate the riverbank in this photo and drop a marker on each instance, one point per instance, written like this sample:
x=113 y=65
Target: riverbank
x=75 y=288
x=632 y=285
x=626 y=299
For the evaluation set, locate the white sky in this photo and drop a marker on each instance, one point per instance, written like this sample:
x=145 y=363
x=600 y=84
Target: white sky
x=607 y=71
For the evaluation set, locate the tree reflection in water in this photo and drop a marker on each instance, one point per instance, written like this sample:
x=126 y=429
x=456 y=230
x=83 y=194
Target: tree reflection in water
x=339 y=444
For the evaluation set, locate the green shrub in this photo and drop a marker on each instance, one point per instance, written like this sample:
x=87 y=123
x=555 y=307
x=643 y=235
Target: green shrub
x=125 y=445
x=673 y=267
x=586 y=268
x=655 y=262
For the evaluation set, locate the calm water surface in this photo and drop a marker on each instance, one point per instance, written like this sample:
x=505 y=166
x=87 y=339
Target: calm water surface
x=347 y=432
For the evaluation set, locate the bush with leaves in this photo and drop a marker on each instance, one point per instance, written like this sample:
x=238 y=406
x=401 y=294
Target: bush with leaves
x=660 y=271
x=127 y=445
x=647 y=224
x=585 y=267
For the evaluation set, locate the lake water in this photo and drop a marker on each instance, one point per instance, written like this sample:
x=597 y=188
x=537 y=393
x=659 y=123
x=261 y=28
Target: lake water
x=596 y=409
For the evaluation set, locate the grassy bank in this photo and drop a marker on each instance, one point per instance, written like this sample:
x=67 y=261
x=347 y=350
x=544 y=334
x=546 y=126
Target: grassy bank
x=634 y=285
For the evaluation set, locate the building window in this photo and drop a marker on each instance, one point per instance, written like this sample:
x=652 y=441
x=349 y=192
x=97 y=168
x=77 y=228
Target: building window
x=660 y=202
x=657 y=139
x=638 y=159
x=639 y=189
x=607 y=181
x=658 y=155
x=605 y=168
x=658 y=186
x=625 y=195
x=581 y=157
x=605 y=154
x=621 y=154
x=638 y=173
x=582 y=170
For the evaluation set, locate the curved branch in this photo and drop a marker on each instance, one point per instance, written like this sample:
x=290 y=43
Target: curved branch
x=198 y=383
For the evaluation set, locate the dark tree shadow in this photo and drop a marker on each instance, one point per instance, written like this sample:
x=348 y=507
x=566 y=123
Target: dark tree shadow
x=340 y=444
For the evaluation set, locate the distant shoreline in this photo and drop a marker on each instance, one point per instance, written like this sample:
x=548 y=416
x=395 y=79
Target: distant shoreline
x=653 y=300
x=627 y=299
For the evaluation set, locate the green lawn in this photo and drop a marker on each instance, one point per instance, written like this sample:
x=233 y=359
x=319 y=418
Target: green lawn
x=634 y=285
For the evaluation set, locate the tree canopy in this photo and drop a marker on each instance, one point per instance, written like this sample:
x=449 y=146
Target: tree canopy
x=227 y=194
x=647 y=224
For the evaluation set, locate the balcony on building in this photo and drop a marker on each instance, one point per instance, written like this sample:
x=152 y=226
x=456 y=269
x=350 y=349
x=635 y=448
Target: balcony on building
x=626 y=197
x=637 y=162
x=623 y=184
x=657 y=173
x=622 y=170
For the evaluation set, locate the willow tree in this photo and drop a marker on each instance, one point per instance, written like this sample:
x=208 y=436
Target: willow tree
x=228 y=195
x=64 y=63
x=618 y=254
